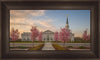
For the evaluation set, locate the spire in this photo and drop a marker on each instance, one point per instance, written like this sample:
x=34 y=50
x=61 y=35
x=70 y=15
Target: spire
x=67 y=19
x=67 y=26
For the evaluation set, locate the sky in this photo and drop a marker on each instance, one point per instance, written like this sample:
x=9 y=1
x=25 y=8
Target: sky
x=23 y=20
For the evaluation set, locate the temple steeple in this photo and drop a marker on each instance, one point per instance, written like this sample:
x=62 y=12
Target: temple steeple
x=67 y=19
x=67 y=25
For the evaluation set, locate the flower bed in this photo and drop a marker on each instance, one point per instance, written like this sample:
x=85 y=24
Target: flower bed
x=38 y=47
x=58 y=47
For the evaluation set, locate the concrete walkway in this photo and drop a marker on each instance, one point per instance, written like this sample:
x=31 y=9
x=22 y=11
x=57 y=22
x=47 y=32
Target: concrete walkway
x=48 y=46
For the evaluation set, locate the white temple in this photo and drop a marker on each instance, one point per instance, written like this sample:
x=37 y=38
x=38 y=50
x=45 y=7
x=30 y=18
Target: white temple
x=47 y=35
x=67 y=28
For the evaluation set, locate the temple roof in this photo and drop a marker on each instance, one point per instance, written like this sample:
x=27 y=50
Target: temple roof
x=48 y=31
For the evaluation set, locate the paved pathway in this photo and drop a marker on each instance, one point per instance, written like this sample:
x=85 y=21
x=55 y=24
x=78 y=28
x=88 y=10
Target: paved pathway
x=48 y=46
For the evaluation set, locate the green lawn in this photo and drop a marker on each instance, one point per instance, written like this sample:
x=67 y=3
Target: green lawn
x=82 y=41
x=21 y=47
x=27 y=42
x=72 y=42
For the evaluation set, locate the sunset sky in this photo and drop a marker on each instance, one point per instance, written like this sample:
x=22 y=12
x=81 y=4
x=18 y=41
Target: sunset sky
x=79 y=20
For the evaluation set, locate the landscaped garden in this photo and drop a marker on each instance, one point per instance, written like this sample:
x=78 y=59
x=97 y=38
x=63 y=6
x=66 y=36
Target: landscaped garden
x=61 y=41
x=58 y=47
x=38 y=47
x=26 y=42
x=19 y=47
x=80 y=47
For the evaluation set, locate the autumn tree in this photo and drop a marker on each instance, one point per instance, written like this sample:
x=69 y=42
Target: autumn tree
x=86 y=36
x=56 y=36
x=34 y=34
x=64 y=35
x=14 y=35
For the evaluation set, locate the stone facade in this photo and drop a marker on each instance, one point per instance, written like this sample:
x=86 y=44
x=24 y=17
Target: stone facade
x=26 y=36
x=48 y=35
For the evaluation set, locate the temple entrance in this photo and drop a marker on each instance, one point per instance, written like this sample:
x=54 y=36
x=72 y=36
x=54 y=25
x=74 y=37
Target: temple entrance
x=48 y=36
x=47 y=39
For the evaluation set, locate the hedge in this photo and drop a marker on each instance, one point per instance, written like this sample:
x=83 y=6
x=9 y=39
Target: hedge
x=82 y=47
x=21 y=47
x=27 y=42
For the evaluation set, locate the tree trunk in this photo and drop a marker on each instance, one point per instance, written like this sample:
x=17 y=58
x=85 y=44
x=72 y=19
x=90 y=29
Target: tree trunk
x=33 y=43
x=64 y=44
x=13 y=44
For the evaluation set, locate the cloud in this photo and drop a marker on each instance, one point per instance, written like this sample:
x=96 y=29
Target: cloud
x=46 y=25
x=25 y=22
x=41 y=25
x=25 y=13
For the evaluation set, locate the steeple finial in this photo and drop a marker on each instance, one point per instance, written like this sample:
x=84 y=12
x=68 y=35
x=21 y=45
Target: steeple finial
x=67 y=19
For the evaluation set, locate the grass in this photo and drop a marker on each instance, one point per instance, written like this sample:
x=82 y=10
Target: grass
x=38 y=47
x=82 y=47
x=80 y=41
x=69 y=46
x=21 y=47
x=58 y=47
x=56 y=42
x=27 y=42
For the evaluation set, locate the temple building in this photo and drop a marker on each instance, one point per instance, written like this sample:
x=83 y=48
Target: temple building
x=47 y=35
x=67 y=28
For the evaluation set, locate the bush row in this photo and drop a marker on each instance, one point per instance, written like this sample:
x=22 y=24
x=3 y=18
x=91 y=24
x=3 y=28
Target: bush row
x=26 y=42
x=21 y=47
x=80 y=47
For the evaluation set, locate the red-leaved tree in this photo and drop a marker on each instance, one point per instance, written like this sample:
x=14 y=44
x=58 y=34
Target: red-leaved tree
x=34 y=34
x=86 y=36
x=56 y=36
x=64 y=35
x=14 y=35
x=40 y=36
